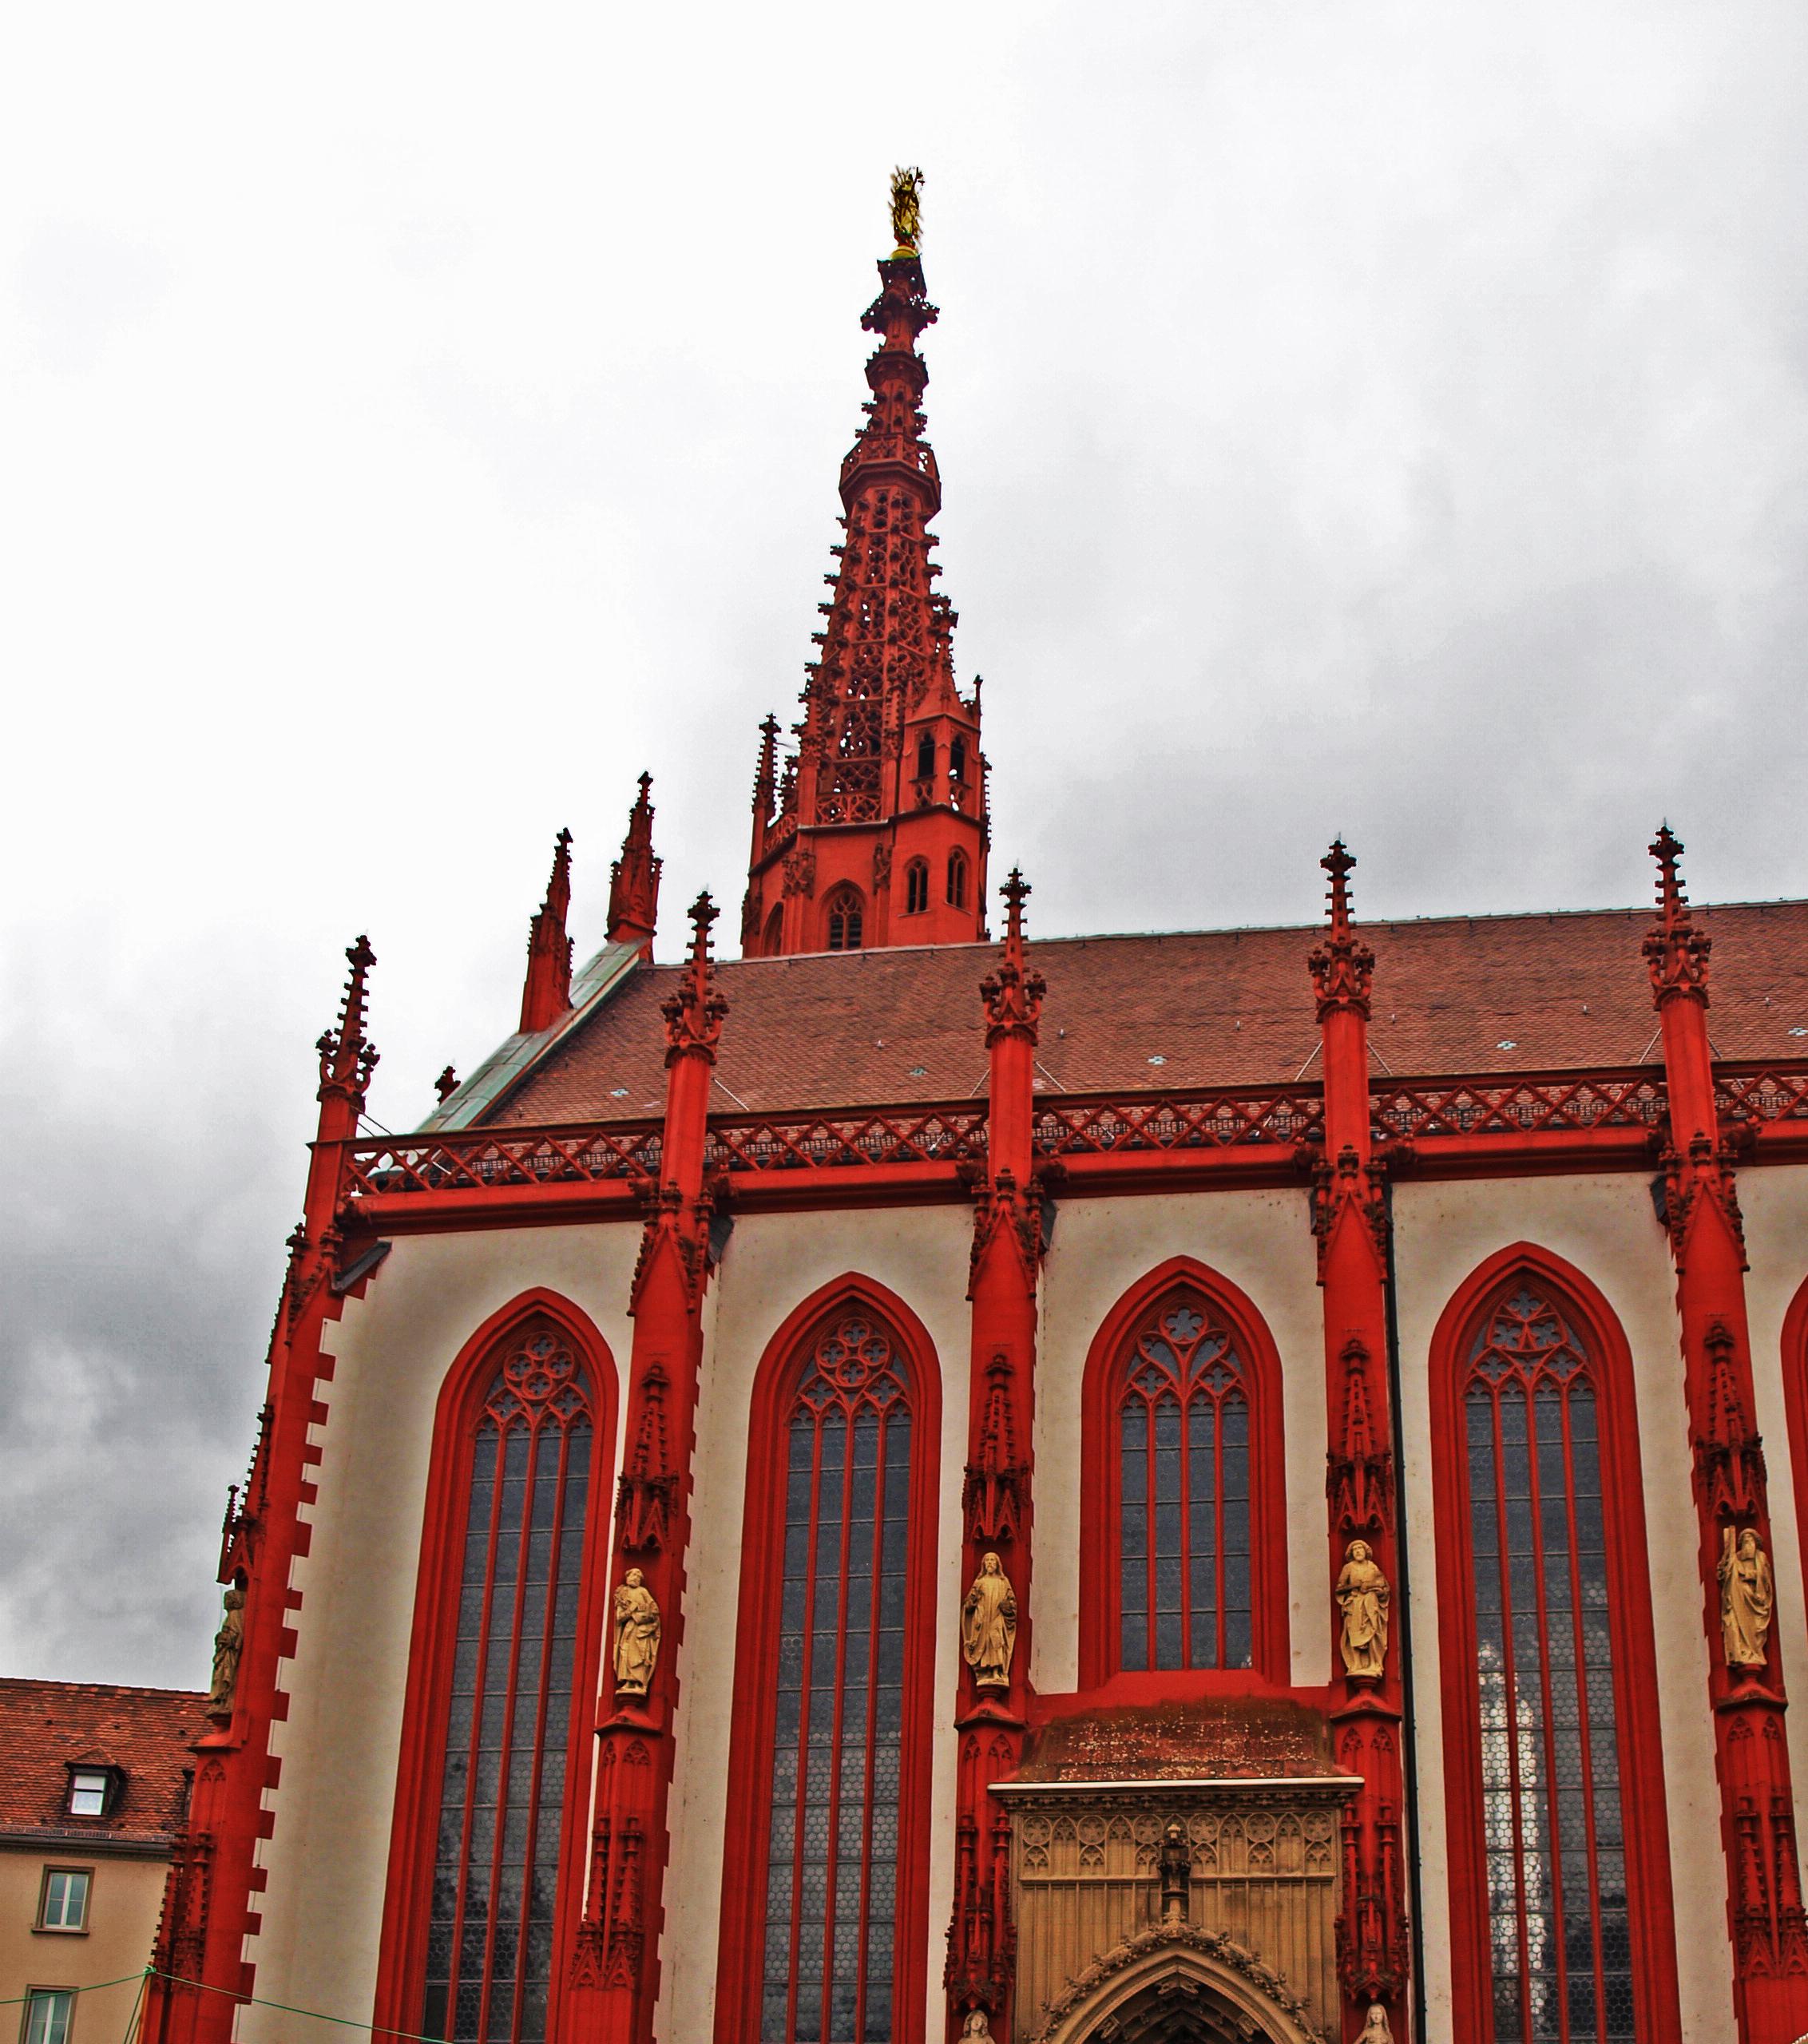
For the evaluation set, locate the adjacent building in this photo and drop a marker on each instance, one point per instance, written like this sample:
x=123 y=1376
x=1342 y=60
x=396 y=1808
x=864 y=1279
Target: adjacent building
x=94 y=1784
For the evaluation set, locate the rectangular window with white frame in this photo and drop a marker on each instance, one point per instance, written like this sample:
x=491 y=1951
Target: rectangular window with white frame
x=48 y=2014
x=64 y=1903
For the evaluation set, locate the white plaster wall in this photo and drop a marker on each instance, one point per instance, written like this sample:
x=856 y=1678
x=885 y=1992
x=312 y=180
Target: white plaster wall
x=328 y=1861
x=1262 y=1241
x=1774 y=1202
x=774 y=1262
x=1605 y=1226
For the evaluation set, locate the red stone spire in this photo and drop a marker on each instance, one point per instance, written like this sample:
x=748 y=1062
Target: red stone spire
x=634 y=879
x=879 y=837
x=546 y=993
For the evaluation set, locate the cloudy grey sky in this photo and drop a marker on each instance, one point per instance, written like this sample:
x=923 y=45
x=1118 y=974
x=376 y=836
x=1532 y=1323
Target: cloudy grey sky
x=1381 y=417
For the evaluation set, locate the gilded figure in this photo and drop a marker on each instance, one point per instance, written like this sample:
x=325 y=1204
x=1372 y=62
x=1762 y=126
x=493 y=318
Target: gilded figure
x=1747 y=1598
x=637 y=1635
x=988 y=1626
x=1362 y=1595
x=906 y=210
x=228 y=1643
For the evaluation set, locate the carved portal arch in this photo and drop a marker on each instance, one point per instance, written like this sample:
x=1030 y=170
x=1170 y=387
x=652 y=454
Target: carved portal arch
x=1171 y=1983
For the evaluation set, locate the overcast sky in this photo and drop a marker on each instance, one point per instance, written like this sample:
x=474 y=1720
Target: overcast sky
x=1387 y=418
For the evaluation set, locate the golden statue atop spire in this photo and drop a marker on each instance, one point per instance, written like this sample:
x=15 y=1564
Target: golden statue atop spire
x=906 y=212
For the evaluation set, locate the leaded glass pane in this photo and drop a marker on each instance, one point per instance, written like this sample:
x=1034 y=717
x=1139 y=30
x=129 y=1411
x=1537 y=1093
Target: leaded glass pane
x=1559 y=1940
x=1185 y=1597
x=832 y=1840
x=502 y=1782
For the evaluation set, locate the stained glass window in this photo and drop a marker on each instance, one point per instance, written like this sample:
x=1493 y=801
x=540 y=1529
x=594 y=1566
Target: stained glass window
x=1184 y=1437
x=831 y=1886
x=502 y=1793
x=1559 y=1947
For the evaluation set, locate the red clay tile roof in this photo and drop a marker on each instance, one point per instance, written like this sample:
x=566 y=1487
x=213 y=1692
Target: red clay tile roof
x=146 y=1733
x=1453 y=996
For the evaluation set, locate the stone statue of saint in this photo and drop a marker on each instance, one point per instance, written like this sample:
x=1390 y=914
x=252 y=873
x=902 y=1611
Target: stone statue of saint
x=637 y=1635
x=988 y=1626
x=228 y=1643
x=1175 y=1863
x=976 y=2029
x=1362 y=1592
x=1747 y=1598
x=1376 y=2030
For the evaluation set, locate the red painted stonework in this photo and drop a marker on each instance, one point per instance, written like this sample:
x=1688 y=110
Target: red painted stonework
x=210 y=1902
x=997 y=1518
x=1349 y=1218
x=876 y=832
x=612 y=1986
x=1766 y=1918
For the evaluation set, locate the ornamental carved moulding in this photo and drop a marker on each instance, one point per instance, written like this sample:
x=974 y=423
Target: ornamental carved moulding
x=1184 y=1849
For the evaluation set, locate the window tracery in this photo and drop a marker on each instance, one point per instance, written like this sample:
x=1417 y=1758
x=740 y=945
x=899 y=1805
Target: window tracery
x=956 y=880
x=846 y=920
x=1183 y=1524
x=1561 y=1949
x=916 y=887
x=491 y=1929
x=833 y=1840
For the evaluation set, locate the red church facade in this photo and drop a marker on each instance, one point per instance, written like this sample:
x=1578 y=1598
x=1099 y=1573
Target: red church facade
x=1205 y=1485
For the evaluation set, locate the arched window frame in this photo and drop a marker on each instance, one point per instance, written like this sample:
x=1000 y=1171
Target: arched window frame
x=1649 y=1905
x=957 y=758
x=958 y=875
x=1795 y=1408
x=427 y=1700
x=1102 y=1488
x=926 y=756
x=844 y=901
x=787 y=1357
x=916 y=887
x=772 y=940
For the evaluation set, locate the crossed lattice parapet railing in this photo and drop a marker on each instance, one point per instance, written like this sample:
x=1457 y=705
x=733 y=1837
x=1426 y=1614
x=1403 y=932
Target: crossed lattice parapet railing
x=1266 y=1126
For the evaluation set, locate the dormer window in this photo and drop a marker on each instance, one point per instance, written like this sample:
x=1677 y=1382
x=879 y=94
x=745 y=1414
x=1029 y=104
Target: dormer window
x=91 y=1790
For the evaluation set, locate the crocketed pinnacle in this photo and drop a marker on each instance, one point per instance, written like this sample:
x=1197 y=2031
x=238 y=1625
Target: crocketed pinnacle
x=1343 y=968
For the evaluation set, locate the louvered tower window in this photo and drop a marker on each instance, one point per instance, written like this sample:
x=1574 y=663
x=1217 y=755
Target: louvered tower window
x=502 y=1787
x=1184 y=1437
x=1559 y=1947
x=832 y=1872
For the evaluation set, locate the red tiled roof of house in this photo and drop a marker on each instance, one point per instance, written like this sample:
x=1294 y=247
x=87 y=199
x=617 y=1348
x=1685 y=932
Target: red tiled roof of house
x=1453 y=996
x=146 y=1733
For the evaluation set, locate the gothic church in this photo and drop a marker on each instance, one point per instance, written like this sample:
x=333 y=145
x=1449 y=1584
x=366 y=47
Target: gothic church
x=1229 y=1485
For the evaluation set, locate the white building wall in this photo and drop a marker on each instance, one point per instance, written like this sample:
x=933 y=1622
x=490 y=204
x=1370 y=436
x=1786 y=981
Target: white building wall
x=1605 y=1226
x=328 y=1861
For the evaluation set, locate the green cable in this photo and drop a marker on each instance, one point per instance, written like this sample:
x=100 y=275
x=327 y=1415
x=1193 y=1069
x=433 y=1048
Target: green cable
x=255 y=2001
x=314 y=2015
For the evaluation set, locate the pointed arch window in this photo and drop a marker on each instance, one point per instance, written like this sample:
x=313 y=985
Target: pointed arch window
x=773 y=942
x=1558 y=1866
x=956 y=880
x=489 y=1942
x=487 y=1841
x=846 y=920
x=824 y=1895
x=926 y=757
x=958 y=759
x=1183 y=1543
x=916 y=887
